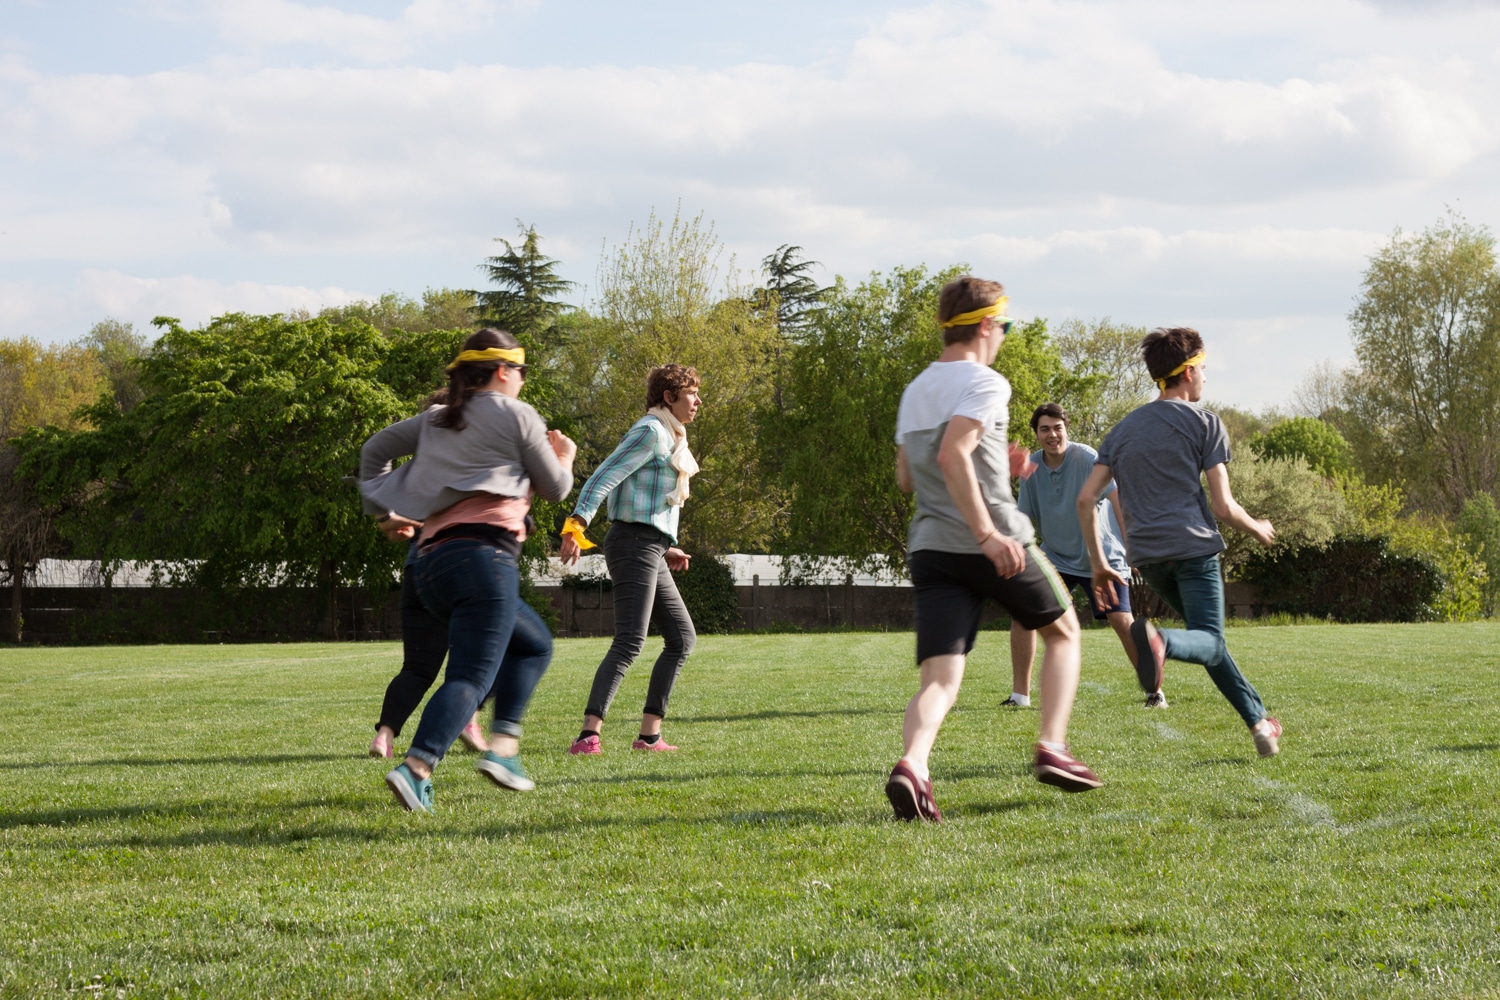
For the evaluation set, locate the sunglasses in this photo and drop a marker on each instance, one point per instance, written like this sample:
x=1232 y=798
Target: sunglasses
x=517 y=368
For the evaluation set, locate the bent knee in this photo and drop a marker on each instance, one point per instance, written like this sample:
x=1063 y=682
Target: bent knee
x=1064 y=627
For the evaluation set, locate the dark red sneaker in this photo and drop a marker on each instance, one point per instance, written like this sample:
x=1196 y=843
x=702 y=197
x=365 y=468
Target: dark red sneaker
x=911 y=796
x=1062 y=770
x=1150 y=655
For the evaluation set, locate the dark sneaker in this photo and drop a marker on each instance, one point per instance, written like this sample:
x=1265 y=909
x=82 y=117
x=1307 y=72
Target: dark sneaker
x=1012 y=703
x=1267 y=733
x=1062 y=770
x=1156 y=700
x=414 y=794
x=1150 y=655
x=911 y=796
x=506 y=772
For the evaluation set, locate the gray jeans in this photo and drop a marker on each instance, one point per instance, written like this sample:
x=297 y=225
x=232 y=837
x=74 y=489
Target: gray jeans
x=644 y=592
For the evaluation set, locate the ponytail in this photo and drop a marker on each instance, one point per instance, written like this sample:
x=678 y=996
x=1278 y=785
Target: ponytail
x=465 y=378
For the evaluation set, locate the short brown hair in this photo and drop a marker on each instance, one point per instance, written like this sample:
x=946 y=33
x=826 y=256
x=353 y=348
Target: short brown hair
x=963 y=295
x=668 y=378
x=1167 y=347
x=1047 y=410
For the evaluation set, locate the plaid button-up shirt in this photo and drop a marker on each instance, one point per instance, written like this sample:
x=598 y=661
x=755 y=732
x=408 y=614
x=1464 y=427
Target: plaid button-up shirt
x=636 y=478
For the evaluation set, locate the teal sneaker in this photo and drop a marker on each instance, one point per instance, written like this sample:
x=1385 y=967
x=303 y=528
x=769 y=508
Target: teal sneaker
x=414 y=794
x=506 y=772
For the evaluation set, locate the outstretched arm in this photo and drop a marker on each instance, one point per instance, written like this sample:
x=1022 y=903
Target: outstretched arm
x=1104 y=576
x=1229 y=512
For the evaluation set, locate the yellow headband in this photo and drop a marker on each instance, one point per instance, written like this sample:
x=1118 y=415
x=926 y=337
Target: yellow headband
x=1196 y=359
x=515 y=355
x=975 y=316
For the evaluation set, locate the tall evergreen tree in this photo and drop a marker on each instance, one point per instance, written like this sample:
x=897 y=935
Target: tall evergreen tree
x=527 y=299
x=796 y=294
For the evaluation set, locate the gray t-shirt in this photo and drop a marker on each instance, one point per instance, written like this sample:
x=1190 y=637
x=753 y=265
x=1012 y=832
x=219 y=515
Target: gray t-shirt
x=1158 y=455
x=948 y=389
x=1050 y=497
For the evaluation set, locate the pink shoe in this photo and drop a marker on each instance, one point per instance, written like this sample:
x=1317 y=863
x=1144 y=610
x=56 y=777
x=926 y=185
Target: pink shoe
x=658 y=745
x=474 y=737
x=588 y=746
x=380 y=746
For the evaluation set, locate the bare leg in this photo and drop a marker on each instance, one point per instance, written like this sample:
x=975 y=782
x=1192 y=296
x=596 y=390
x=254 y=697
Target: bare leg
x=418 y=767
x=593 y=722
x=1022 y=654
x=650 y=724
x=502 y=745
x=1060 y=667
x=941 y=677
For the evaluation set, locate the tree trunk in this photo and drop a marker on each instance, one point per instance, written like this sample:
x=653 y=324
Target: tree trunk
x=328 y=577
x=17 y=579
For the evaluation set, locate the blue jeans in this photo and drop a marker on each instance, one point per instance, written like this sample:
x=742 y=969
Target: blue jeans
x=1195 y=590
x=473 y=587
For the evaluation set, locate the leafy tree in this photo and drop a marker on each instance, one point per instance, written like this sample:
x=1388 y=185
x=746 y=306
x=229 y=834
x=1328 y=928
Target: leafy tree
x=1032 y=364
x=1321 y=392
x=1425 y=402
x=835 y=437
x=1479 y=526
x=1113 y=352
x=1243 y=426
x=790 y=289
x=399 y=316
x=1308 y=439
x=230 y=470
x=26 y=532
x=118 y=348
x=527 y=299
x=42 y=386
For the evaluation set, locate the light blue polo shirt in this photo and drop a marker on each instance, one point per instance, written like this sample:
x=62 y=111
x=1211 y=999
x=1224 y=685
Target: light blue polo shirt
x=1049 y=497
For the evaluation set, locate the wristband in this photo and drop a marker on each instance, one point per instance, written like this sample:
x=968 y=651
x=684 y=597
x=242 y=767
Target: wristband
x=573 y=528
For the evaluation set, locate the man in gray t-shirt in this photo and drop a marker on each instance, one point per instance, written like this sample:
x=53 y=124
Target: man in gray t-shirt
x=1158 y=456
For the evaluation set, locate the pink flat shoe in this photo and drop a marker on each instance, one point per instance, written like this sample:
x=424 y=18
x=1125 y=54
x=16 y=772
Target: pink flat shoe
x=588 y=746
x=659 y=745
x=474 y=737
x=380 y=746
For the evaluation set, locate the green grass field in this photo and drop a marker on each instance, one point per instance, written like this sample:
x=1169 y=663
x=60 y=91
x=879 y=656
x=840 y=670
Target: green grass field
x=202 y=821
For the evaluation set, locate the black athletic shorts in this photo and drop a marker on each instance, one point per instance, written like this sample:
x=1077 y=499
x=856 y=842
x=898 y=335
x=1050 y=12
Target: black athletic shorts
x=951 y=588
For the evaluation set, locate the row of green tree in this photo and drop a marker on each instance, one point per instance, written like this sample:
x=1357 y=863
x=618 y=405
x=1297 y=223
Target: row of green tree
x=222 y=453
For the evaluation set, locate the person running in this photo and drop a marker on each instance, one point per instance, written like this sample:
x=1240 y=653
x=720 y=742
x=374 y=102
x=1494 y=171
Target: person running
x=424 y=639
x=1049 y=498
x=645 y=481
x=1159 y=455
x=967 y=542
x=478 y=460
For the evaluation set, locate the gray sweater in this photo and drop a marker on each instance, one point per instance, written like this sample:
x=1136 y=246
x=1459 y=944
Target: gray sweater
x=503 y=450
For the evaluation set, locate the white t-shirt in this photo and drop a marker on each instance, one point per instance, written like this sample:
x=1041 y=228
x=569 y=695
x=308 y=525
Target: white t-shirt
x=948 y=389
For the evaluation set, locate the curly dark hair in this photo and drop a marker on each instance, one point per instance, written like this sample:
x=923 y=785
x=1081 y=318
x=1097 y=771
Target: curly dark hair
x=668 y=378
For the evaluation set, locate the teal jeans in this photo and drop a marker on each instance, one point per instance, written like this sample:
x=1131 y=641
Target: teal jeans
x=1195 y=590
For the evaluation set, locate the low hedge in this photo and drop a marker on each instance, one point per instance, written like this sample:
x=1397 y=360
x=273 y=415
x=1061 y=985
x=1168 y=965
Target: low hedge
x=1349 y=579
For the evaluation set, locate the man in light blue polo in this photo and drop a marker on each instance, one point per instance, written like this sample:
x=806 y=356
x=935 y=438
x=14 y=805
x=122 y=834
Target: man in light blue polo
x=1049 y=497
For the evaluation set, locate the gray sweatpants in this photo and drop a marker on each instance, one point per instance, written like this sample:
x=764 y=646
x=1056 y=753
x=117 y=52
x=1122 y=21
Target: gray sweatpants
x=644 y=592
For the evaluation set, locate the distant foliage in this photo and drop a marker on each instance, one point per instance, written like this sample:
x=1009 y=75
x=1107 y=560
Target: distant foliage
x=1348 y=579
x=1424 y=404
x=707 y=588
x=1479 y=526
x=1308 y=439
x=1111 y=351
x=1305 y=508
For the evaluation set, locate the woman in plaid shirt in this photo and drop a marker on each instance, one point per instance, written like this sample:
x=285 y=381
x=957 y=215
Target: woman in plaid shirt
x=645 y=482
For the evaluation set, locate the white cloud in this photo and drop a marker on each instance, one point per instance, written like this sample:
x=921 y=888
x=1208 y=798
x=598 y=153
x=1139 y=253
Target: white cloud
x=1104 y=154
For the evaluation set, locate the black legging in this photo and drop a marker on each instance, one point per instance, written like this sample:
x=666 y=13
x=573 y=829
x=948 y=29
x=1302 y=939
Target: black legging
x=424 y=646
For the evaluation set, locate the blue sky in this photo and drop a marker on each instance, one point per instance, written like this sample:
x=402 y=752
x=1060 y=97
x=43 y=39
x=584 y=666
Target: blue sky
x=1226 y=166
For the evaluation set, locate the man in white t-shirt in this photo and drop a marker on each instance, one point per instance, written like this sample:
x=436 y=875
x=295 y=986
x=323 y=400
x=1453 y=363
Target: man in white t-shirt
x=968 y=542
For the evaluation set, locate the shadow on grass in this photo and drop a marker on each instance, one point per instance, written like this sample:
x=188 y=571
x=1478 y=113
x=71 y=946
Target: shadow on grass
x=1222 y=762
x=679 y=779
x=211 y=809
x=989 y=808
x=252 y=759
x=773 y=713
x=421 y=828
x=1470 y=747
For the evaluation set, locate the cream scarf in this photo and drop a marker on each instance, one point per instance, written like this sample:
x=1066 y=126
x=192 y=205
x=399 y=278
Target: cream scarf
x=682 y=459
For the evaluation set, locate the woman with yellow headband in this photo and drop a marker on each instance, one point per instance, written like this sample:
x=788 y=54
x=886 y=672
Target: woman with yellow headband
x=477 y=461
